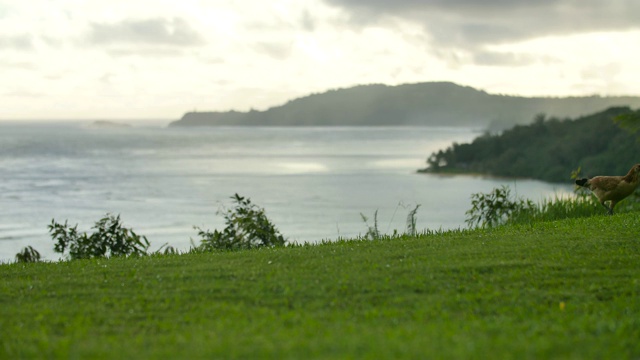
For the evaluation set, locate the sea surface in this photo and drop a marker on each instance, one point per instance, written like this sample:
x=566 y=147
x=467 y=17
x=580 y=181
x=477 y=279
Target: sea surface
x=314 y=183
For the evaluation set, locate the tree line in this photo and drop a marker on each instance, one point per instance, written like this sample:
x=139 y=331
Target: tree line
x=548 y=149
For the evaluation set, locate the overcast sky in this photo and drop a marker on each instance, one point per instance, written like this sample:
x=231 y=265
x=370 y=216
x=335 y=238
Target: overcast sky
x=126 y=59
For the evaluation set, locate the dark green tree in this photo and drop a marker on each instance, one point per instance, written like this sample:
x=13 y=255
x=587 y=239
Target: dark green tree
x=548 y=149
x=629 y=121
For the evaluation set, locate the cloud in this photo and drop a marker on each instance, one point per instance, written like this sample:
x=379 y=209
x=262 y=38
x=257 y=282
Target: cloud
x=24 y=94
x=16 y=42
x=19 y=65
x=495 y=58
x=277 y=51
x=159 y=31
x=156 y=52
x=472 y=24
x=307 y=21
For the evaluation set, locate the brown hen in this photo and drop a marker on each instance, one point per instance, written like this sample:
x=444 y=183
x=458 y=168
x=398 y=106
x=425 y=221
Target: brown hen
x=612 y=188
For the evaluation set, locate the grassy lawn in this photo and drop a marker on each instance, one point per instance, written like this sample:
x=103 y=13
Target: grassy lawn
x=567 y=289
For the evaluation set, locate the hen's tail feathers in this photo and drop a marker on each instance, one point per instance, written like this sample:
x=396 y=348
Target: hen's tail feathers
x=582 y=182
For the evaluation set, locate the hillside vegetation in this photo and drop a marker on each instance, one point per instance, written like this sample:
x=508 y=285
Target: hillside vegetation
x=548 y=149
x=421 y=104
x=564 y=289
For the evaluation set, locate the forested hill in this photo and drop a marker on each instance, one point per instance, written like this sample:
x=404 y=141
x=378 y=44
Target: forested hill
x=422 y=104
x=547 y=149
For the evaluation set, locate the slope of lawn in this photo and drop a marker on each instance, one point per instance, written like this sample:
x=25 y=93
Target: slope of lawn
x=564 y=289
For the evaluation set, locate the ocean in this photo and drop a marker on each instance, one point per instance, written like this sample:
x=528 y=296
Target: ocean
x=315 y=183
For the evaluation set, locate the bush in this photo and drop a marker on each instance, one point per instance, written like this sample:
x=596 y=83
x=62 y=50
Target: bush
x=28 y=255
x=247 y=227
x=110 y=239
x=496 y=208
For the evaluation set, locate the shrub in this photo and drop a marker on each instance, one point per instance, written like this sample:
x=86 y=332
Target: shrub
x=247 y=227
x=28 y=255
x=496 y=208
x=109 y=239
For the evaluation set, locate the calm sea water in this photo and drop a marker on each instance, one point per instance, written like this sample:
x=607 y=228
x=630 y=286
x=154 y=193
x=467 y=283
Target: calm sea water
x=313 y=182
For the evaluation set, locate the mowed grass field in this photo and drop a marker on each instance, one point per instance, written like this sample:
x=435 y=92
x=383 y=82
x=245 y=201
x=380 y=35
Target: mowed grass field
x=566 y=289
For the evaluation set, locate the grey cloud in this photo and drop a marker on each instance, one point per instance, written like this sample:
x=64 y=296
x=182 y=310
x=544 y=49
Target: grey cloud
x=157 y=52
x=277 y=51
x=474 y=23
x=457 y=6
x=22 y=93
x=160 y=31
x=599 y=72
x=212 y=60
x=21 y=65
x=17 y=42
x=51 y=41
x=107 y=78
x=308 y=23
x=491 y=58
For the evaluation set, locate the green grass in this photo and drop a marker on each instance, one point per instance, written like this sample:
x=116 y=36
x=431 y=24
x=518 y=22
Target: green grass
x=567 y=289
x=560 y=207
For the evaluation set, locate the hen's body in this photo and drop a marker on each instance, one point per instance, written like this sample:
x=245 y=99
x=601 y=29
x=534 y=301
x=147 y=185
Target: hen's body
x=612 y=188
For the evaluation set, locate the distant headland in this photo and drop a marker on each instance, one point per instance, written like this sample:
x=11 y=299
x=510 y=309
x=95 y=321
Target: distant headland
x=106 y=124
x=420 y=104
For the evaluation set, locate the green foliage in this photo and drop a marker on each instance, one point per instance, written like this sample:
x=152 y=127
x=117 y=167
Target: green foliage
x=28 y=255
x=495 y=208
x=546 y=149
x=629 y=121
x=247 y=227
x=109 y=239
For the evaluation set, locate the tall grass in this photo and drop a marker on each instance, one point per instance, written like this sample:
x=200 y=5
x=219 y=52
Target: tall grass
x=499 y=207
x=557 y=208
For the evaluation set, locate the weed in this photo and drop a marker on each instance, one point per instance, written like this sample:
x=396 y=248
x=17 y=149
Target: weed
x=166 y=249
x=372 y=231
x=247 y=226
x=495 y=208
x=412 y=221
x=109 y=239
x=28 y=255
